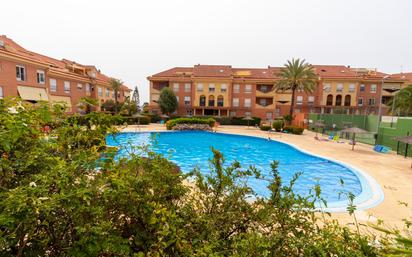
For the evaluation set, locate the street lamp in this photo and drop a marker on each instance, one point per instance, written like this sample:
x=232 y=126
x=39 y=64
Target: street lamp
x=380 y=104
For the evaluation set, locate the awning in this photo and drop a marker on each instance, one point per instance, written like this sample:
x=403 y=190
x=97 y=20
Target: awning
x=32 y=93
x=61 y=99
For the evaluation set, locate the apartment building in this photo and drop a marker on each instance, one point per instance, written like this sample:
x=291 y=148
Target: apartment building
x=35 y=77
x=221 y=90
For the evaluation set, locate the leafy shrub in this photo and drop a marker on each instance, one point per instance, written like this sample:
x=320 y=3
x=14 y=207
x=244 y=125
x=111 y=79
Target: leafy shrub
x=265 y=127
x=171 y=123
x=294 y=130
x=277 y=125
x=134 y=121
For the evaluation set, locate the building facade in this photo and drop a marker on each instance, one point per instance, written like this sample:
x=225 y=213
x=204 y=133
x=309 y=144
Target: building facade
x=34 y=77
x=220 y=90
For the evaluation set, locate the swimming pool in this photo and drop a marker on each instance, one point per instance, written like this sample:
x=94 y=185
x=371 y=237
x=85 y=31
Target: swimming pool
x=192 y=148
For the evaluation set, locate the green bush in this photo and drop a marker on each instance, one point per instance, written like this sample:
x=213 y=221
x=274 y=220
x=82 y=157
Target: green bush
x=265 y=127
x=171 y=123
x=294 y=130
x=134 y=121
x=277 y=125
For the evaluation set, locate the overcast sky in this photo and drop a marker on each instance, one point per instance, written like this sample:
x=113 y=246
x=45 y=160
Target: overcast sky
x=131 y=40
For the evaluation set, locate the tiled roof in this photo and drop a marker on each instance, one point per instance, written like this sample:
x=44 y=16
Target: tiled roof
x=334 y=71
x=404 y=75
x=212 y=71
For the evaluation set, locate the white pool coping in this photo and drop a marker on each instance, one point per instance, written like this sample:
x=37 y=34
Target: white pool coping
x=370 y=196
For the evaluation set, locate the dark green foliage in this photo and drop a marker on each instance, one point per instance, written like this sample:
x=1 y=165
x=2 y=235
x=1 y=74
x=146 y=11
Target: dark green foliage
x=111 y=106
x=294 y=130
x=265 y=127
x=237 y=121
x=277 y=125
x=171 y=123
x=167 y=101
x=56 y=202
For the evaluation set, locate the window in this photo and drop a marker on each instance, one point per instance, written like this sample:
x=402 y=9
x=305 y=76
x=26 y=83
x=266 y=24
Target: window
x=223 y=88
x=339 y=87
x=100 y=91
x=53 y=85
x=67 y=87
x=87 y=87
x=236 y=88
x=329 y=100
x=248 y=88
x=177 y=99
x=200 y=87
x=326 y=87
x=220 y=101
x=264 y=88
x=248 y=114
x=299 y=99
x=1 y=92
x=202 y=100
x=187 y=100
x=362 y=88
x=311 y=99
x=347 y=100
x=373 y=88
x=211 y=100
x=351 y=88
x=175 y=87
x=360 y=101
x=338 y=100
x=41 y=77
x=107 y=92
x=248 y=102
x=235 y=102
x=187 y=87
x=211 y=87
x=232 y=114
x=20 y=73
x=371 y=101
x=263 y=101
x=277 y=111
x=79 y=86
x=269 y=116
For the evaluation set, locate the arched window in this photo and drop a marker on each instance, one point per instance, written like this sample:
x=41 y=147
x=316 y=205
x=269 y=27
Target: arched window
x=220 y=101
x=211 y=100
x=347 y=100
x=329 y=100
x=202 y=100
x=338 y=101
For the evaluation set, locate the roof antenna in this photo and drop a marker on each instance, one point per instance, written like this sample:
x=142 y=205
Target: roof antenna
x=401 y=69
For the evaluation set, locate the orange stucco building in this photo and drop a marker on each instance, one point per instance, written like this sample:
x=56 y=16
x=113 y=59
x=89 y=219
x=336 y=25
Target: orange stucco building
x=36 y=77
x=221 y=90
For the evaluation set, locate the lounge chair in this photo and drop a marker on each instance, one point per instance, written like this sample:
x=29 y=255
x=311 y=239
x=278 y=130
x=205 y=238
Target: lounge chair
x=381 y=149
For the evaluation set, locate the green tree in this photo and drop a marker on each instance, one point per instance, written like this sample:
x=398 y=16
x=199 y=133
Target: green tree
x=167 y=101
x=296 y=75
x=88 y=104
x=145 y=107
x=402 y=101
x=116 y=84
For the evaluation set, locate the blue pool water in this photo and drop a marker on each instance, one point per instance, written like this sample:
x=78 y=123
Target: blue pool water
x=191 y=149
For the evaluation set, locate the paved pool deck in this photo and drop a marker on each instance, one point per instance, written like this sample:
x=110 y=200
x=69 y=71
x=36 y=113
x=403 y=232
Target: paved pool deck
x=393 y=172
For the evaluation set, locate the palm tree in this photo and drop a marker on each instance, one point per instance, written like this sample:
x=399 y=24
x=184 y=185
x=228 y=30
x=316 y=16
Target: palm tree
x=296 y=75
x=87 y=103
x=402 y=101
x=116 y=84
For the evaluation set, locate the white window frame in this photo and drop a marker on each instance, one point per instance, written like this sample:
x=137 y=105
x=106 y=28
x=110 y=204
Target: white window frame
x=187 y=87
x=212 y=87
x=235 y=102
x=299 y=100
x=311 y=99
x=248 y=88
x=177 y=99
x=248 y=114
x=374 y=101
x=19 y=76
x=1 y=92
x=362 y=88
x=248 y=102
x=360 y=101
x=99 y=91
x=374 y=88
x=199 y=87
x=41 y=77
x=236 y=88
x=79 y=86
x=175 y=87
x=326 y=87
x=352 y=88
x=339 y=87
x=223 y=88
x=263 y=101
x=66 y=86
x=107 y=92
x=187 y=100
x=53 y=86
x=88 y=87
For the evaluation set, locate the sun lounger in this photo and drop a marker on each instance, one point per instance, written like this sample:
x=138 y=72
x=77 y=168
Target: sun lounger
x=381 y=149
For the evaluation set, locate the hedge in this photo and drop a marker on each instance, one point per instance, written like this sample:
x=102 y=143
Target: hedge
x=278 y=125
x=171 y=123
x=294 y=130
x=265 y=127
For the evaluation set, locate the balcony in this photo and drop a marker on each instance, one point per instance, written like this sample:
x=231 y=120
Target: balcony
x=265 y=90
x=267 y=106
